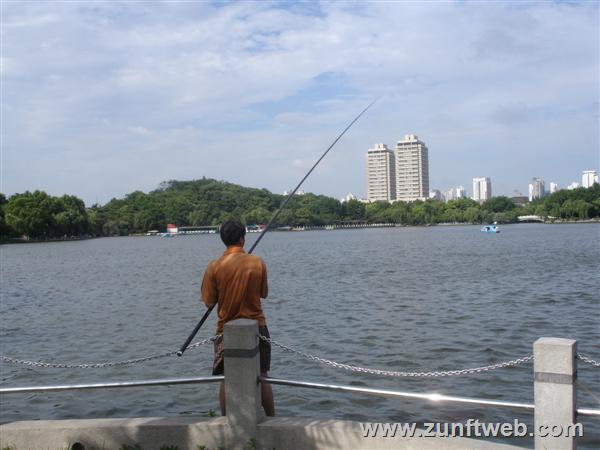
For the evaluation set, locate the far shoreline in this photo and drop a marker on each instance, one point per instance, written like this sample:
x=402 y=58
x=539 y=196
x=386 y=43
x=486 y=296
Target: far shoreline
x=87 y=238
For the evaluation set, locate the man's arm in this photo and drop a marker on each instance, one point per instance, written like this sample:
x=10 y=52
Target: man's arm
x=208 y=291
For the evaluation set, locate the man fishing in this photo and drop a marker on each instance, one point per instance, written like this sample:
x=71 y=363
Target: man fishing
x=236 y=282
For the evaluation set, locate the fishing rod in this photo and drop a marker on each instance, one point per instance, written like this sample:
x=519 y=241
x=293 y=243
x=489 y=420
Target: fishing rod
x=266 y=228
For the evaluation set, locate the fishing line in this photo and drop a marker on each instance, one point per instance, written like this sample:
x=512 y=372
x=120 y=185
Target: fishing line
x=266 y=228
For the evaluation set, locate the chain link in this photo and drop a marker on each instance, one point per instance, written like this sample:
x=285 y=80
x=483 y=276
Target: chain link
x=391 y=373
x=104 y=364
x=588 y=360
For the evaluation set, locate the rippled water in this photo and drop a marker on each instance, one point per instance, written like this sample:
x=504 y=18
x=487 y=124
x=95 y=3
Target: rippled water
x=402 y=298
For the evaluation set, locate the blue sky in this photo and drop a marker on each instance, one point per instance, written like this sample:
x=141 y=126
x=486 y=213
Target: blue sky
x=103 y=98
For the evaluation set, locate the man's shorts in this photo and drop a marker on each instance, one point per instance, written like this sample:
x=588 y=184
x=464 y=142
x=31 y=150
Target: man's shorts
x=263 y=347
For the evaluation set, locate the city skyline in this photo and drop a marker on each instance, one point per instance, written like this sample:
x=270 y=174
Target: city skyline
x=101 y=101
x=384 y=166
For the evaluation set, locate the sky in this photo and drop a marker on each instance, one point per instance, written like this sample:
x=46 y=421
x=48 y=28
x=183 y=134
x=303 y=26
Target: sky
x=99 y=99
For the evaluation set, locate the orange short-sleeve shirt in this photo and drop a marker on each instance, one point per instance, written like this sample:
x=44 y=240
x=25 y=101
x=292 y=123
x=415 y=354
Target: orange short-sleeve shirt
x=236 y=282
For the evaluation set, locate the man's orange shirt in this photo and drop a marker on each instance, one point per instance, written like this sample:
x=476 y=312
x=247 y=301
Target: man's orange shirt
x=236 y=281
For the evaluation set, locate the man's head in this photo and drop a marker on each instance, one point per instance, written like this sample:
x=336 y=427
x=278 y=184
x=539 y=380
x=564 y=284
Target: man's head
x=232 y=232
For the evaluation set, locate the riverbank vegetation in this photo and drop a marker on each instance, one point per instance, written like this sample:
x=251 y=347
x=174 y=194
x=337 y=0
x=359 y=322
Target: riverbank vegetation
x=37 y=215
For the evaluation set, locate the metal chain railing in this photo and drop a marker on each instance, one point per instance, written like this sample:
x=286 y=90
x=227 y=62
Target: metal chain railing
x=104 y=364
x=588 y=360
x=391 y=373
x=338 y=365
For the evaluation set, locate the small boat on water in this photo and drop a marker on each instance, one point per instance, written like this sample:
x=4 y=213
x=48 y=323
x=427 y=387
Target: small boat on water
x=254 y=228
x=490 y=229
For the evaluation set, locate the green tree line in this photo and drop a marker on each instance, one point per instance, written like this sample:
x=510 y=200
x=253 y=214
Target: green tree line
x=37 y=215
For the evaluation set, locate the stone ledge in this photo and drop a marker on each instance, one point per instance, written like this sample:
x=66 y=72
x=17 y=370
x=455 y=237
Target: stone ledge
x=310 y=434
x=187 y=433
x=110 y=434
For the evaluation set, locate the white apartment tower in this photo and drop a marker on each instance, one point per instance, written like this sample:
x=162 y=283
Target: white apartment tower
x=412 y=169
x=588 y=178
x=482 y=189
x=536 y=189
x=381 y=174
x=455 y=193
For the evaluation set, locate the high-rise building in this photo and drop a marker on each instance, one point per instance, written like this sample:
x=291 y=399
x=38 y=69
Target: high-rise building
x=536 y=189
x=449 y=194
x=553 y=187
x=436 y=194
x=573 y=185
x=455 y=193
x=482 y=189
x=589 y=178
x=412 y=169
x=381 y=174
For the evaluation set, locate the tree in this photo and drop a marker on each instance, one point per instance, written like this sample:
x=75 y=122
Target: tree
x=473 y=215
x=582 y=209
x=256 y=216
x=30 y=214
x=399 y=212
x=376 y=212
x=302 y=217
x=69 y=216
x=418 y=214
x=354 y=210
x=199 y=216
x=498 y=204
x=4 y=228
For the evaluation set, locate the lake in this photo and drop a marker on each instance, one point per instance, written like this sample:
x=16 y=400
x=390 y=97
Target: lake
x=392 y=298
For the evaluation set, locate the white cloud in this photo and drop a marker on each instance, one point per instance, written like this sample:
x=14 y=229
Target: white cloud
x=239 y=91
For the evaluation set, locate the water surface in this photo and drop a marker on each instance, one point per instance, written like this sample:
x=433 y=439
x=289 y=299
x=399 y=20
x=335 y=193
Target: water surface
x=397 y=299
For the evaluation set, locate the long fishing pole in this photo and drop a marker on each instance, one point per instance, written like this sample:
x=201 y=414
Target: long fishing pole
x=266 y=228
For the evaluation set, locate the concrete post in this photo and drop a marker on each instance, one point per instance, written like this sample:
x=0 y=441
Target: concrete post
x=555 y=394
x=242 y=388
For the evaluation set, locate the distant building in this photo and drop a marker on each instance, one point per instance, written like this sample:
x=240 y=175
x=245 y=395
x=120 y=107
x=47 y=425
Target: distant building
x=172 y=229
x=455 y=193
x=553 y=187
x=347 y=198
x=536 y=189
x=519 y=200
x=298 y=192
x=449 y=194
x=573 y=185
x=482 y=189
x=589 y=178
x=381 y=174
x=412 y=169
x=436 y=195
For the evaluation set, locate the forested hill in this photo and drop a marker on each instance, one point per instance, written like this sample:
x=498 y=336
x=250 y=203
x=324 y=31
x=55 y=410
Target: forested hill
x=210 y=202
x=200 y=202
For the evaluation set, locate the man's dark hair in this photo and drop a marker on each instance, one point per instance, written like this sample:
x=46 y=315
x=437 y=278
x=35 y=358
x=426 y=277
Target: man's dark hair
x=232 y=231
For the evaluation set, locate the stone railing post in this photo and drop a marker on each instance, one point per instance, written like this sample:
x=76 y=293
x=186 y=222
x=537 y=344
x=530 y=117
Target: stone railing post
x=555 y=394
x=242 y=388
